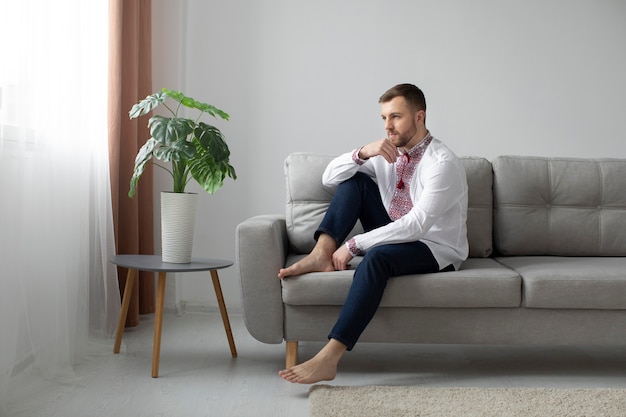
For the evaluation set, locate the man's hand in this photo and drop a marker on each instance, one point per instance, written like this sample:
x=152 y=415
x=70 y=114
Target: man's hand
x=342 y=258
x=382 y=147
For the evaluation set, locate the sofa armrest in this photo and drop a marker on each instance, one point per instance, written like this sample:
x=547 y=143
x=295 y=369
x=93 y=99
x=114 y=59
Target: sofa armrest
x=260 y=251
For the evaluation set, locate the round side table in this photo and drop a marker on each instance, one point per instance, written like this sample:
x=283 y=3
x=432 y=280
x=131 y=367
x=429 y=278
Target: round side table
x=153 y=263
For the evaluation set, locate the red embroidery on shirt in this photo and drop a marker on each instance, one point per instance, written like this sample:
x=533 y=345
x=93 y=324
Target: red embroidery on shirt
x=354 y=249
x=355 y=157
x=401 y=202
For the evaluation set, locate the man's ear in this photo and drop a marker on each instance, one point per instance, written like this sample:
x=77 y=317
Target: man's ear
x=420 y=116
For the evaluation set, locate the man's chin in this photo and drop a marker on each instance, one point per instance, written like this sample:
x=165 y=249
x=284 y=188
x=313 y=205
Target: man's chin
x=397 y=141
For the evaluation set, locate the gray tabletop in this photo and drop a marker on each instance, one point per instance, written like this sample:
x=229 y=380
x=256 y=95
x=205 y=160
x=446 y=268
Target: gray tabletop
x=153 y=263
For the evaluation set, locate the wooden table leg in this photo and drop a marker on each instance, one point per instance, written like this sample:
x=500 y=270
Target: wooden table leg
x=222 y=305
x=158 y=324
x=121 y=323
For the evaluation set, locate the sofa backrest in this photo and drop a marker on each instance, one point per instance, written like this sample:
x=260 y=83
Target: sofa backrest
x=308 y=199
x=559 y=206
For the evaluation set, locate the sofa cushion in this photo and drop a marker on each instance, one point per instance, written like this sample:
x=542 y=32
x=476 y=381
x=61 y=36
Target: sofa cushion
x=559 y=206
x=481 y=282
x=571 y=282
x=308 y=200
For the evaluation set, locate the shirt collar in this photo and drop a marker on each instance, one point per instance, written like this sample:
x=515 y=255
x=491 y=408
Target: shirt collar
x=420 y=146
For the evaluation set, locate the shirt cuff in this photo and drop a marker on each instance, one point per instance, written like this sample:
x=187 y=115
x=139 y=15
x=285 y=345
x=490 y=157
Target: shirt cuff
x=355 y=157
x=353 y=248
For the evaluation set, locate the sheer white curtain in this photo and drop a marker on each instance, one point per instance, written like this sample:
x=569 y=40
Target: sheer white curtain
x=57 y=288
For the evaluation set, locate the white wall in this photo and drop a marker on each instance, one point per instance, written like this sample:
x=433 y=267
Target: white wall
x=530 y=78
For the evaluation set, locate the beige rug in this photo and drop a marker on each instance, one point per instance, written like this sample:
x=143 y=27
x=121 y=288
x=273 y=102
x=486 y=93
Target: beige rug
x=379 y=401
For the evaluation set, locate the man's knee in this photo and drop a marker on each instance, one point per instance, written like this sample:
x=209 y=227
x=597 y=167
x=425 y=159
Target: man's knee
x=377 y=258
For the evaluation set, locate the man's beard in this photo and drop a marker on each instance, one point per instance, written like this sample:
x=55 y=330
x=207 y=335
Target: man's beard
x=403 y=139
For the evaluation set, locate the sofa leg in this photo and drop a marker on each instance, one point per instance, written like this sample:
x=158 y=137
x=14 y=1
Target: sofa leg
x=292 y=353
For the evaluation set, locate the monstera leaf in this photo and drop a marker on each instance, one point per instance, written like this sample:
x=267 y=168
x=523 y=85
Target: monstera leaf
x=192 y=148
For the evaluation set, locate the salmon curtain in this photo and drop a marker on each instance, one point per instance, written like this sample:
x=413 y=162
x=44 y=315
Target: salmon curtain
x=130 y=79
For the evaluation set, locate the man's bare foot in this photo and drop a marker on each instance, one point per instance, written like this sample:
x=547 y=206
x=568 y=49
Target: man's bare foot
x=312 y=371
x=322 y=367
x=313 y=262
x=319 y=260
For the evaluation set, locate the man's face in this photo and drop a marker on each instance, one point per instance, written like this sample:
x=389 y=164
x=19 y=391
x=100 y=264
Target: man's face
x=401 y=122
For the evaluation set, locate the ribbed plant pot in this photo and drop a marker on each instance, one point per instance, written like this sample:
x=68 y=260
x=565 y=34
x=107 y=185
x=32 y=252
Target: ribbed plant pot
x=178 y=219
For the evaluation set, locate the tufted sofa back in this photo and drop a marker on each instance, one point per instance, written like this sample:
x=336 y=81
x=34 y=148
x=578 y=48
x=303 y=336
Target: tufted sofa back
x=559 y=206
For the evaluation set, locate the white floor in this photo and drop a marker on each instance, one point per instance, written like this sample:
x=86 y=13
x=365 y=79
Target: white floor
x=199 y=378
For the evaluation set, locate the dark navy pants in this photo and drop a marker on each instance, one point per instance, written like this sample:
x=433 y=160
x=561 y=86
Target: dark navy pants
x=359 y=199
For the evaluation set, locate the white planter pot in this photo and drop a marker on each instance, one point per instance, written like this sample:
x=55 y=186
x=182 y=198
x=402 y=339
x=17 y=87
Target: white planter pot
x=178 y=218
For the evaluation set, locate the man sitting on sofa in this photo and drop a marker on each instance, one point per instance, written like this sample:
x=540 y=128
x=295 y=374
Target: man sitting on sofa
x=410 y=193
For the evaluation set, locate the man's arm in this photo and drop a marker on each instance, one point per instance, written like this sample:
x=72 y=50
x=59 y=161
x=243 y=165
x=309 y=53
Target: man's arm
x=345 y=166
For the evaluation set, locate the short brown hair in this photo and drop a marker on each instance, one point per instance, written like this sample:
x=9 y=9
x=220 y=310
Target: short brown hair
x=412 y=94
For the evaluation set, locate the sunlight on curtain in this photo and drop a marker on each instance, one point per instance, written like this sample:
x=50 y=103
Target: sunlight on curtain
x=56 y=286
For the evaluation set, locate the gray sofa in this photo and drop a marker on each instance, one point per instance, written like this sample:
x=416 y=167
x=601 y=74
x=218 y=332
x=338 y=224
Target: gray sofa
x=547 y=262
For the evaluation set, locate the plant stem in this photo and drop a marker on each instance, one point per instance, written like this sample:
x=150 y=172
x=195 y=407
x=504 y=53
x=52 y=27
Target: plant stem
x=179 y=175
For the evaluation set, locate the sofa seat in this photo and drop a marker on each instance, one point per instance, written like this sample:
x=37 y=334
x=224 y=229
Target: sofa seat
x=481 y=282
x=560 y=282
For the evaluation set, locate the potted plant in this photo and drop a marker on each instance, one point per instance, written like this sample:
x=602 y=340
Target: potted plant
x=193 y=149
